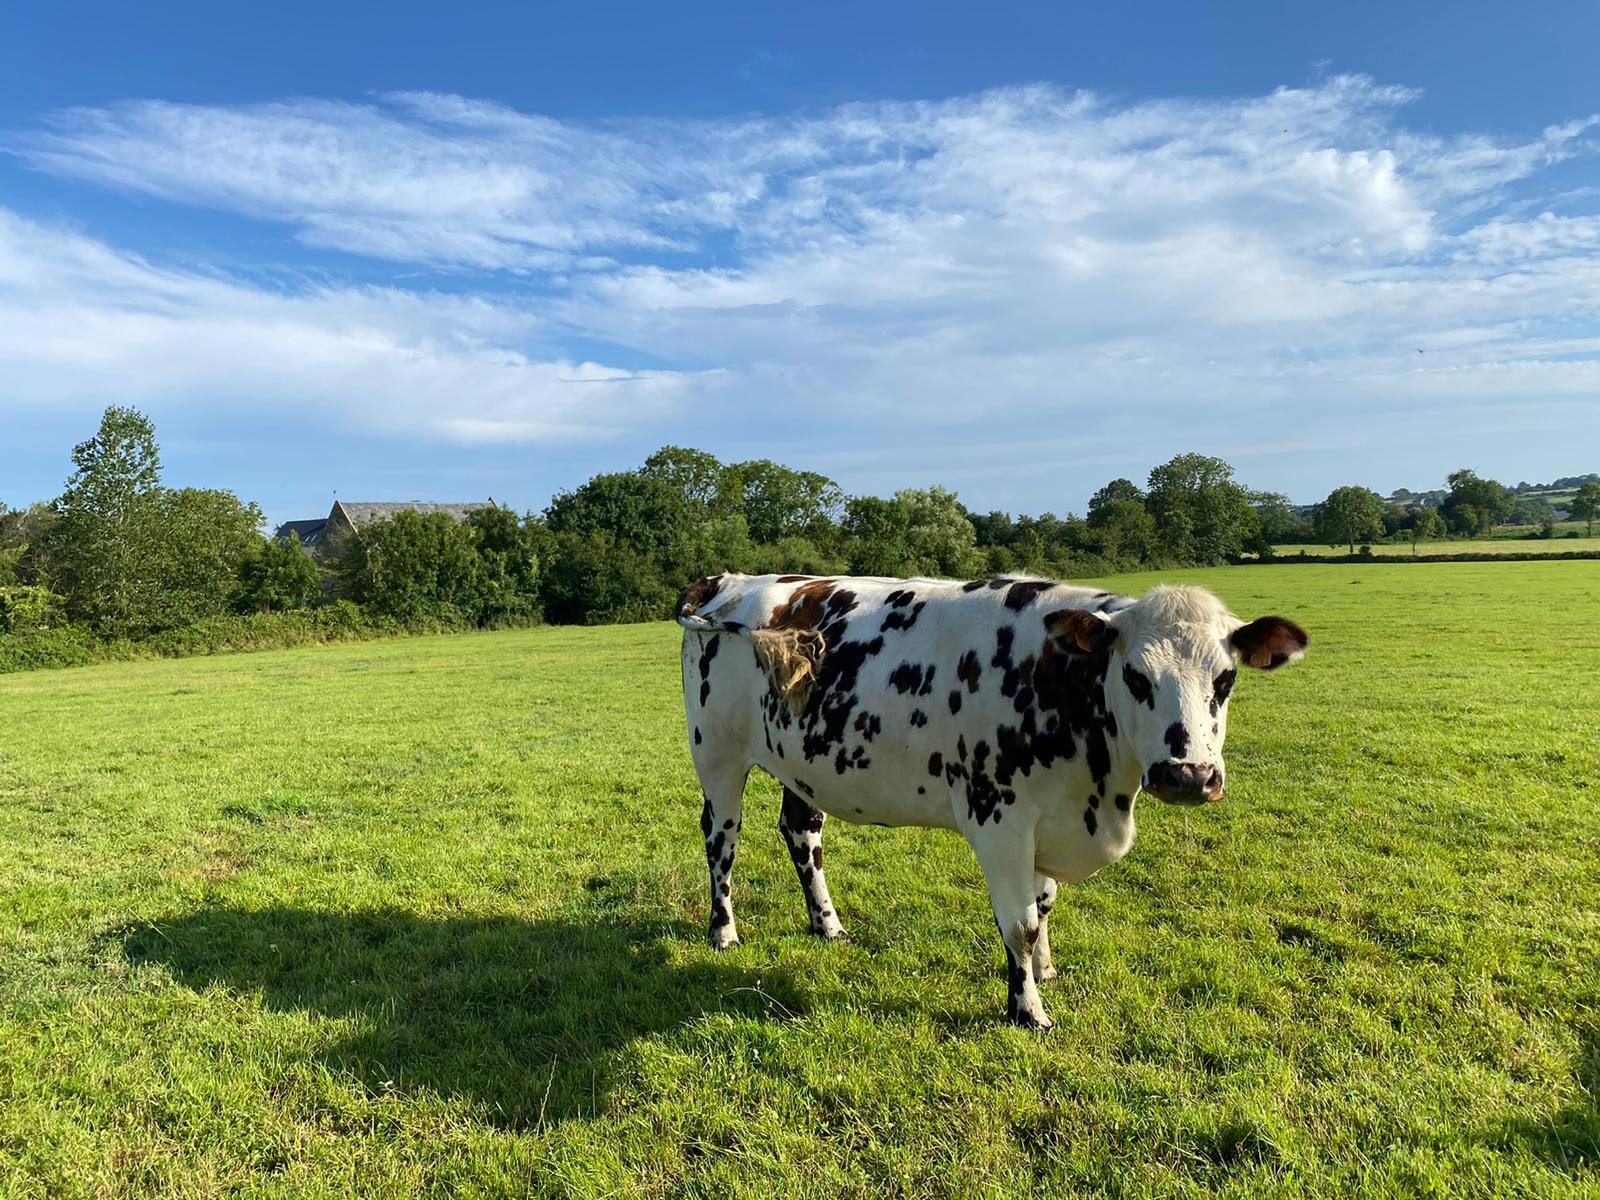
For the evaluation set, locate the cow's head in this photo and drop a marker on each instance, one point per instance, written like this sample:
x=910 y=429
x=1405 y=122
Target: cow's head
x=1173 y=656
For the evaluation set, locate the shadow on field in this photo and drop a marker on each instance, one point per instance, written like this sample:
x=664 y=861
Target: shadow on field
x=1571 y=1138
x=527 y=1017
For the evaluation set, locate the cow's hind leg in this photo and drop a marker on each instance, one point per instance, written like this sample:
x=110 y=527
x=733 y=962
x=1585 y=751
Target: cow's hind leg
x=719 y=821
x=1007 y=862
x=1044 y=889
x=801 y=826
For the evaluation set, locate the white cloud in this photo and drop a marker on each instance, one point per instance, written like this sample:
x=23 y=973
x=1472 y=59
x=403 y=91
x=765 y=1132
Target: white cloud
x=1045 y=274
x=81 y=323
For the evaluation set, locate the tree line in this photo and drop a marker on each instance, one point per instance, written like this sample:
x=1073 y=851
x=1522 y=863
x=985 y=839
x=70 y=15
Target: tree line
x=120 y=555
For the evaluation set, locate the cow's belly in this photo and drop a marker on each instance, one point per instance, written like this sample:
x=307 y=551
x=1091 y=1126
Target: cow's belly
x=1066 y=851
x=887 y=792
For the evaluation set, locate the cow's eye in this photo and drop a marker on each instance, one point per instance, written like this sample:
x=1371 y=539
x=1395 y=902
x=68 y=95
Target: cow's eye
x=1222 y=686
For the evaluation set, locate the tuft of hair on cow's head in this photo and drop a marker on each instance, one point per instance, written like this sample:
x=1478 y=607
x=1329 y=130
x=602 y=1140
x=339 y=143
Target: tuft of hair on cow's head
x=791 y=658
x=1079 y=631
x=1267 y=643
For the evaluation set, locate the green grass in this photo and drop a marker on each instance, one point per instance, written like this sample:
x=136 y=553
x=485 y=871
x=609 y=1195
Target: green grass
x=1500 y=543
x=425 y=918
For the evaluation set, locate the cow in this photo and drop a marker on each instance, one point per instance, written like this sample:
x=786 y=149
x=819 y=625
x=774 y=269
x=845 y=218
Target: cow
x=1026 y=715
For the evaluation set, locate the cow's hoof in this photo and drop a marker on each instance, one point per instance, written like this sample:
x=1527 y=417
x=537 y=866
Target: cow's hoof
x=1042 y=973
x=722 y=941
x=1037 y=1022
x=835 y=935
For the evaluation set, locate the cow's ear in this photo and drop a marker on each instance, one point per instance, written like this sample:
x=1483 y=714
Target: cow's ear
x=1267 y=643
x=1078 y=631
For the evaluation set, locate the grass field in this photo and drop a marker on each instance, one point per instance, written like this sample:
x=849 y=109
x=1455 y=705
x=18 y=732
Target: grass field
x=425 y=918
x=1499 y=544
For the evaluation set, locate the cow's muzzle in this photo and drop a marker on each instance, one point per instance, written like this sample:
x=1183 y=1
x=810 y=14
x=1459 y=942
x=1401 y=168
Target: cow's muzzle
x=1184 y=783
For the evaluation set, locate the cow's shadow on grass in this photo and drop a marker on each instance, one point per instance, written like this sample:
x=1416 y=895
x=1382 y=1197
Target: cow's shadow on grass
x=529 y=1017
x=1570 y=1138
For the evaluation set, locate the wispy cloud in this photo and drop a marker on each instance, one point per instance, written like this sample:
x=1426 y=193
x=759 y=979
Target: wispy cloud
x=81 y=322
x=915 y=276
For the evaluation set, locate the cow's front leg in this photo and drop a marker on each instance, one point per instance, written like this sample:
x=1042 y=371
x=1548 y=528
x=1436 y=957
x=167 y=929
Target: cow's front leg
x=801 y=826
x=1006 y=856
x=1044 y=889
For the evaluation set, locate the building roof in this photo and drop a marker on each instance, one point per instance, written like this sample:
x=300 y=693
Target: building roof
x=361 y=512
x=309 y=533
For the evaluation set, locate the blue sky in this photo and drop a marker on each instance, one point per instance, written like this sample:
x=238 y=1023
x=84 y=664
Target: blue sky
x=435 y=252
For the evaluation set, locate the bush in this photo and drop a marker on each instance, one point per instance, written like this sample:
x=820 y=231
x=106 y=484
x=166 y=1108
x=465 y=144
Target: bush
x=76 y=645
x=28 y=607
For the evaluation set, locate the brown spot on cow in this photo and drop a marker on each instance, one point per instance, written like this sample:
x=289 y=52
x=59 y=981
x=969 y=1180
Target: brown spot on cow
x=805 y=607
x=699 y=595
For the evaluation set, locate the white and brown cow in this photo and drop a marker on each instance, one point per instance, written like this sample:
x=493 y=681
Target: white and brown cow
x=1025 y=714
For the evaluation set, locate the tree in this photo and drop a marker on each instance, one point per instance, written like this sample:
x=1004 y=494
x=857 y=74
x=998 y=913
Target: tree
x=415 y=566
x=1350 y=514
x=106 y=539
x=203 y=538
x=594 y=577
x=1473 y=505
x=1586 y=504
x=1425 y=523
x=1118 y=490
x=1279 y=522
x=698 y=476
x=508 y=560
x=1202 y=515
x=939 y=538
x=780 y=502
x=276 y=576
x=643 y=510
x=876 y=532
x=1126 y=530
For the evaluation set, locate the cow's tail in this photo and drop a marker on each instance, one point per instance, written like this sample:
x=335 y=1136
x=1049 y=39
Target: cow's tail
x=791 y=658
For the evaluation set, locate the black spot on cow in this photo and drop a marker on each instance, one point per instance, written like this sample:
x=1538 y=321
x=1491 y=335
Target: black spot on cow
x=805 y=787
x=697 y=738
x=1222 y=688
x=968 y=671
x=834 y=698
x=1025 y=592
x=935 y=764
x=1089 y=821
x=713 y=643
x=1015 y=979
x=1177 y=738
x=984 y=794
x=899 y=598
x=961 y=747
x=918 y=718
x=1124 y=802
x=975 y=586
x=900 y=618
x=1004 y=637
x=1139 y=687
x=921 y=791
x=706 y=818
x=955 y=703
x=907 y=677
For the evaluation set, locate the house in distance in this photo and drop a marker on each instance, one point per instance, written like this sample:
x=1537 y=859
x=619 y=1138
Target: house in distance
x=323 y=535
